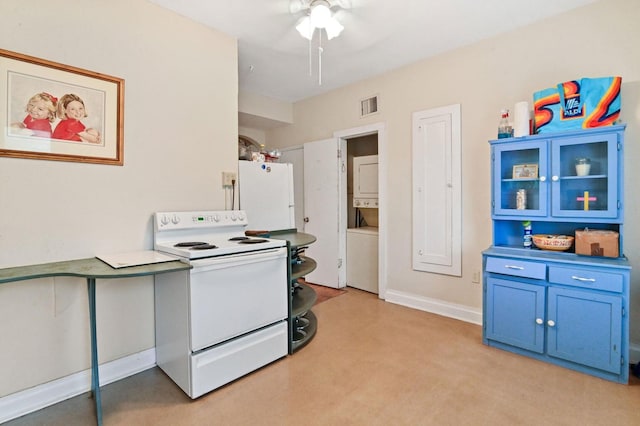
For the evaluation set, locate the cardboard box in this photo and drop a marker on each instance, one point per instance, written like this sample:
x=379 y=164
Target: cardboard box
x=595 y=242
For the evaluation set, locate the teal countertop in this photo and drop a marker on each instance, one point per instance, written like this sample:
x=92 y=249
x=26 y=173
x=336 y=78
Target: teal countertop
x=295 y=238
x=86 y=268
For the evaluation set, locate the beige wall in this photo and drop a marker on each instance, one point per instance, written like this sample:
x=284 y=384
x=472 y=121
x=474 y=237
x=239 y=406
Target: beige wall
x=596 y=40
x=180 y=133
x=258 y=135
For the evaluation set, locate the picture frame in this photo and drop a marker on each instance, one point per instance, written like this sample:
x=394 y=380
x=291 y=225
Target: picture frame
x=52 y=111
x=525 y=171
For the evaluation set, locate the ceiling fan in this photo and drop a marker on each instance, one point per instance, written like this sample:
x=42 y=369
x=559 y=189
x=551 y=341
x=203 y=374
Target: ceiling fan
x=318 y=16
x=296 y=6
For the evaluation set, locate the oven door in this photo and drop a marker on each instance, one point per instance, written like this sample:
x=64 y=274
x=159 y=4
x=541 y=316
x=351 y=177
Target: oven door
x=236 y=294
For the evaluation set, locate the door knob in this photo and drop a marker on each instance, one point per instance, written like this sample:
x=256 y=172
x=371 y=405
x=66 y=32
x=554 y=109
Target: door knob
x=306 y=220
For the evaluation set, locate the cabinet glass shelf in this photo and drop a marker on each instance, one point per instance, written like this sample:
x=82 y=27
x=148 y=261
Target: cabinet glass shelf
x=564 y=176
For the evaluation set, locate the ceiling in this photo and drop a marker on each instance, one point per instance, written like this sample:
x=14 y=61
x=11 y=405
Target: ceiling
x=379 y=35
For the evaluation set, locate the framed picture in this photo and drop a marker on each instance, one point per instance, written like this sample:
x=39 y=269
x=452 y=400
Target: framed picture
x=51 y=111
x=525 y=171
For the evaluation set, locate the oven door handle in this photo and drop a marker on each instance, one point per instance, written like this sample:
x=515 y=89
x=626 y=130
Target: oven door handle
x=239 y=259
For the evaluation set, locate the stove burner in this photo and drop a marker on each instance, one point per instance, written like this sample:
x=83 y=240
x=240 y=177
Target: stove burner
x=253 y=241
x=190 y=244
x=238 y=238
x=204 y=247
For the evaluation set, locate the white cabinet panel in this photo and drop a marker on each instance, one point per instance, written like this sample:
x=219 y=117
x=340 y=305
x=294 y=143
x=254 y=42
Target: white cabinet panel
x=362 y=258
x=437 y=191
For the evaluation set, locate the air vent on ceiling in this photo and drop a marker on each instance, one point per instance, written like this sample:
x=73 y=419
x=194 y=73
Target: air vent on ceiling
x=369 y=106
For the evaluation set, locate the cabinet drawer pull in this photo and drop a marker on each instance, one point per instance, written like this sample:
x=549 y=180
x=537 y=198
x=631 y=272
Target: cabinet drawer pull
x=519 y=268
x=587 y=280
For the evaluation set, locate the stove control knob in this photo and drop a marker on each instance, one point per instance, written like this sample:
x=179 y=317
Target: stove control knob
x=216 y=218
x=234 y=217
x=175 y=219
x=241 y=216
x=164 y=220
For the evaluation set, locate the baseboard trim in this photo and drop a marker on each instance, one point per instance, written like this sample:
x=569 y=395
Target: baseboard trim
x=33 y=399
x=435 y=306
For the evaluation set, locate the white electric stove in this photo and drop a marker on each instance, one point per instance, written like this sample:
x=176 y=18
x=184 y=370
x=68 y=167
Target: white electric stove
x=228 y=316
x=200 y=234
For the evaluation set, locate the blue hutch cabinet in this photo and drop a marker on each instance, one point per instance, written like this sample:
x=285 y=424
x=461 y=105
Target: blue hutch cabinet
x=559 y=307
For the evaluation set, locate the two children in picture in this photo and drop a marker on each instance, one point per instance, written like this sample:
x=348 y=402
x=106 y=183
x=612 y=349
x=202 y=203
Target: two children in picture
x=43 y=109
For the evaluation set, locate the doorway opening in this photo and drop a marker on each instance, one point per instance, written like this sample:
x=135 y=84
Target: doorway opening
x=336 y=241
x=362 y=141
x=362 y=212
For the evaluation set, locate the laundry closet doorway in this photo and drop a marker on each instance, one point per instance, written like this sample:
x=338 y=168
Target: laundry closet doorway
x=345 y=215
x=362 y=207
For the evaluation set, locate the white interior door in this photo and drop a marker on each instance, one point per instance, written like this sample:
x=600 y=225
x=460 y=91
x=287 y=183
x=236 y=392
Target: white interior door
x=324 y=189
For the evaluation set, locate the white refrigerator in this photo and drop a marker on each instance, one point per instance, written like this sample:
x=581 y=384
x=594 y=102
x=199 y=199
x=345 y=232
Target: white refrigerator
x=266 y=195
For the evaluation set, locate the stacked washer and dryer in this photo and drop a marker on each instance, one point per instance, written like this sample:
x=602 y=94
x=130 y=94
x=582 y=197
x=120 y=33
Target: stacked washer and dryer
x=362 y=240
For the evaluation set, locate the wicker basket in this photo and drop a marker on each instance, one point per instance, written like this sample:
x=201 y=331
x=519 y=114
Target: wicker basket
x=553 y=242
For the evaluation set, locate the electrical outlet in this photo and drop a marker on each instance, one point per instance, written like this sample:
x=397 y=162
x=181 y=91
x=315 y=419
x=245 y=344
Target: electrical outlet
x=476 y=277
x=228 y=178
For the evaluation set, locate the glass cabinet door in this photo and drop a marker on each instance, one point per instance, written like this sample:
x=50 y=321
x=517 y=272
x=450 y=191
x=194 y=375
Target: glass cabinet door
x=520 y=179
x=584 y=177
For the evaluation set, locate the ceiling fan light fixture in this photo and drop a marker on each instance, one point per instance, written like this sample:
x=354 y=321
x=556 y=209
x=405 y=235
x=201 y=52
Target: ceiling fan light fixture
x=333 y=28
x=320 y=13
x=319 y=17
x=305 y=28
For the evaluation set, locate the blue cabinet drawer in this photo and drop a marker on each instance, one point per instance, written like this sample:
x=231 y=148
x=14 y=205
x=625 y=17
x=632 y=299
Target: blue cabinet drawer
x=586 y=278
x=517 y=268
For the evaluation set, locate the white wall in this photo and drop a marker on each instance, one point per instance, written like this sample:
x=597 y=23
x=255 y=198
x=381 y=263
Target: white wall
x=257 y=135
x=180 y=133
x=596 y=40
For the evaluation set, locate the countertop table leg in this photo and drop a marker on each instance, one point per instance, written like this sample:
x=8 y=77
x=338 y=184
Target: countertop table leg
x=91 y=269
x=95 y=379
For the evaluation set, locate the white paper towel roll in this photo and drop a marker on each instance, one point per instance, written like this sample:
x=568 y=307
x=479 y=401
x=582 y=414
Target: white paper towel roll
x=521 y=118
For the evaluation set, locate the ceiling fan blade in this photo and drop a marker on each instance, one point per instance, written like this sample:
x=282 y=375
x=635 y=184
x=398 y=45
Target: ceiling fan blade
x=296 y=6
x=345 y=4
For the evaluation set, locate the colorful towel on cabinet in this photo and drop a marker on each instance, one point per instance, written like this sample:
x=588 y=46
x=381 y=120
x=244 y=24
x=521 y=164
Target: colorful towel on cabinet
x=578 y=104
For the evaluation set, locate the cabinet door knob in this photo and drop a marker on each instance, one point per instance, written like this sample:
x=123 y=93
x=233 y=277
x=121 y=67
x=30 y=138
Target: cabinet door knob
x=543 y=178
x=539 y=321
x=551 y=323
x=555 y=178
